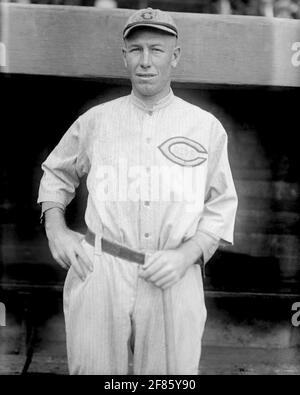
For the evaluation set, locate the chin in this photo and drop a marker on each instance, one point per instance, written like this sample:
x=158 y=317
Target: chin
x=146 y=90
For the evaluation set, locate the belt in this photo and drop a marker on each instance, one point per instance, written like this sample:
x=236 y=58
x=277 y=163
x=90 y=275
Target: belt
x=116 y=249
x=119 y=251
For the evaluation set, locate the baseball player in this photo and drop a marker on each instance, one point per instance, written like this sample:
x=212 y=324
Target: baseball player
x=161 y=200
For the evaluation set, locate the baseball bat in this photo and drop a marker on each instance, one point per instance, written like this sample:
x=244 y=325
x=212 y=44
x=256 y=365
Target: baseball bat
x=169 y=332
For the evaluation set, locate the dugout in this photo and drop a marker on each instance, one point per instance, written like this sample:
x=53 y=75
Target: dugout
x=58 y=61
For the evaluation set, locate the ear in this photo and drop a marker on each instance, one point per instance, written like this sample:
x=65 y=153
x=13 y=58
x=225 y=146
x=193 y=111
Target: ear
x=176 y=56
x=124 y=52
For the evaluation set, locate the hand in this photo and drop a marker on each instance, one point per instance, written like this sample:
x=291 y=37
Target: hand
x=65 y=245
x=165 y=268
x=67 y=251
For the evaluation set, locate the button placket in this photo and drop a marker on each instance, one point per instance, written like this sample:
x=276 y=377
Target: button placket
x=146 y=161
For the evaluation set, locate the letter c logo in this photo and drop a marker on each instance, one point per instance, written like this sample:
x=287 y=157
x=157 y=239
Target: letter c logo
x=184 y=151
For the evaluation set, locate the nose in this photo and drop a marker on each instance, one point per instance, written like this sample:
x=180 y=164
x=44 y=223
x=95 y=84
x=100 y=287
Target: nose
x=145 y=59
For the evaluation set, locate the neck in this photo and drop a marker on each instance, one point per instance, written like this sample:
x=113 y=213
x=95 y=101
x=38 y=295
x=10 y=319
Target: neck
x=150 y=101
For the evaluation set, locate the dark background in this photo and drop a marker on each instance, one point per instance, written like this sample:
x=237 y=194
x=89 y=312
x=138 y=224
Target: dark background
x=250 y=287
x=261 y=124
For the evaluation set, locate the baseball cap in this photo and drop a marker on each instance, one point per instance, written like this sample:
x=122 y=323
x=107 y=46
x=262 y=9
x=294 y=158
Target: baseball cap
x=152 y=18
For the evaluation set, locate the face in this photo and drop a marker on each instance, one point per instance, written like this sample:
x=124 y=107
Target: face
x=149 y=56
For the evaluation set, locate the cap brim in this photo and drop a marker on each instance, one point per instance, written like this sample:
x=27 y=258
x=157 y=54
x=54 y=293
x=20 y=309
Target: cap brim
x=158 y=27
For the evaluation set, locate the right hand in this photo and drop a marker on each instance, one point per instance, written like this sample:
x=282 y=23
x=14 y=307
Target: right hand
x=65 y=246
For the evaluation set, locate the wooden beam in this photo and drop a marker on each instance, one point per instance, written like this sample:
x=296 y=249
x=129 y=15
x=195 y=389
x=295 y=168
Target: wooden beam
x=279 y=190
x=284 y=247
x=86 y=42
x=267 y=222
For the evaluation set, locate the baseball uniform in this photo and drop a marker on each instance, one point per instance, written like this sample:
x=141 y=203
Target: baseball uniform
x=156 y=177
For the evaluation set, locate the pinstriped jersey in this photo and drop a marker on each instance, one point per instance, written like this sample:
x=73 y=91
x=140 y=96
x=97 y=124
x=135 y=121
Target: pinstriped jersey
x=155 y=177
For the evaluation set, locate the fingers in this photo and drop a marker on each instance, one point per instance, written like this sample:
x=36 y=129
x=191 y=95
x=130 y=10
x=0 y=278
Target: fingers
x=79 y=235
x=78 y=267
x=81 y=262
x=162 y=279
x=166 y=282
x=72 y=255
x=85 y=260
x=164 y=268
x=62 y=263
x=155 y=272
x=153 y=263
x=151 y=259
x=60 y=258
x=159 y=271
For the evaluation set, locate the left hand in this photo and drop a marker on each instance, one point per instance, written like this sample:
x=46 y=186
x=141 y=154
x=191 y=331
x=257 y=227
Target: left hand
x=165 y=268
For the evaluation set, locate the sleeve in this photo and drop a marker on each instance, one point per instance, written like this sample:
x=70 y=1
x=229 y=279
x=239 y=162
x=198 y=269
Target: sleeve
x=208 y=243
x=64 y=167
x=220 y=205
x=47 y=206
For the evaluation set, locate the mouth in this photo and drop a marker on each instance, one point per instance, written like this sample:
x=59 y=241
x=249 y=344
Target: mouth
x=146 y=76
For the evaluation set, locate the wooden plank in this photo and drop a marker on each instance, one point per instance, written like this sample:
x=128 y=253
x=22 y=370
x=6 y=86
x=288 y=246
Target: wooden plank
x=251 y=174
x=86 y=42
x=267 y=221
x=250 y=295
x=279 y=190
x=26 y=253
x=266 y=245
x=267 y=204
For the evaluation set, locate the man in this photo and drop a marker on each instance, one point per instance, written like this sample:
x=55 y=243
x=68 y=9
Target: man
x=161 y=197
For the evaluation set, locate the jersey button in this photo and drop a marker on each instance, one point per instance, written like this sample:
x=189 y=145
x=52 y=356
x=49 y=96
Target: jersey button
x=147 y=203
x=148 y=140
x=147 y=235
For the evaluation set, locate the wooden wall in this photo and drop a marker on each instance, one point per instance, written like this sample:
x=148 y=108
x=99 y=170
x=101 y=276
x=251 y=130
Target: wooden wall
x=86 y=42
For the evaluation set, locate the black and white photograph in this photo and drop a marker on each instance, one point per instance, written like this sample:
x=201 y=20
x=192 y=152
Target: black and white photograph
x=149 y=190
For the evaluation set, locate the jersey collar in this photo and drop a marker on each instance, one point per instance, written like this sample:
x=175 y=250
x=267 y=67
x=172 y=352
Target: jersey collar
x=164 y=102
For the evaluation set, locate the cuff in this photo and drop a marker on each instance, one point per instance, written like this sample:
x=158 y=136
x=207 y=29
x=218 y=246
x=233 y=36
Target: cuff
x=208 y=242
x=49 y=205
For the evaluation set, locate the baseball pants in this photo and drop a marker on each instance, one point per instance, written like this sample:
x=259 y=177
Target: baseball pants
x=114 y=312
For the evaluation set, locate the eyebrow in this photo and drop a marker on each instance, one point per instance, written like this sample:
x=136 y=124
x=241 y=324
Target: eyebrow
x=132 y=45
